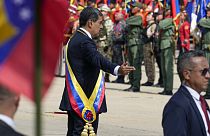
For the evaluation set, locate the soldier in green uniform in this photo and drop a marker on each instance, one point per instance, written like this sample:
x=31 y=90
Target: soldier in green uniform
x=166 y=33
x=134 y=46
x=204 y=25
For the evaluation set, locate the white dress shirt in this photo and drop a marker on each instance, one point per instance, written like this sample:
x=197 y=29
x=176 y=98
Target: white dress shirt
x=7 y=120
x=89 y=35
x=196 y=98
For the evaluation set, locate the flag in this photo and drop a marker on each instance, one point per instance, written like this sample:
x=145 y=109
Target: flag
x=168 y=2
x=175 y=11
x=17 y=65
x=201 y=9
x=191 y=11
x=127 y=5
x=185 y=2
x=190 y=8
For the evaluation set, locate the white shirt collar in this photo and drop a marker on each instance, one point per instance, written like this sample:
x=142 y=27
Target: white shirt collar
x=194 y=94
x=89 y=35
x=7 y=120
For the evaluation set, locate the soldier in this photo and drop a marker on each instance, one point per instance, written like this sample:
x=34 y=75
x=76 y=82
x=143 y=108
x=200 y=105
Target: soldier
x=104 y=40
x=204 y=25
x=166 y=29
x=135 y=46
x=149 y=58
x=156 y=45
x=118 y=41
x=184 y=33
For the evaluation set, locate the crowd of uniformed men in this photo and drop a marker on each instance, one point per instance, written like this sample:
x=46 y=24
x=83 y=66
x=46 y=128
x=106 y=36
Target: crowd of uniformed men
x=147 y=33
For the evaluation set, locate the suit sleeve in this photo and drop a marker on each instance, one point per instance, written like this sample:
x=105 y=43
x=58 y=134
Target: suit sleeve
x=92 y=56
x=174 y=120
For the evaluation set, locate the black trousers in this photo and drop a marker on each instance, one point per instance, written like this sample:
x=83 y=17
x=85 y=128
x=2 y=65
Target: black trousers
x=76 y=124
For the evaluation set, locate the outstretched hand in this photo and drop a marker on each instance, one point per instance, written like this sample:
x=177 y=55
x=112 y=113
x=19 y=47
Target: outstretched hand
x=125 y=69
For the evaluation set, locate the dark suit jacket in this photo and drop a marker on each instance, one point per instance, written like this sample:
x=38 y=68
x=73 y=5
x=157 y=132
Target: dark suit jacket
x=86 y=63
x=6 y=130
x=181 y=117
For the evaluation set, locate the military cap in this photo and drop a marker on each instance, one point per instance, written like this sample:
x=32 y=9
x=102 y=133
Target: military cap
x=137 y=4
x=208 y=7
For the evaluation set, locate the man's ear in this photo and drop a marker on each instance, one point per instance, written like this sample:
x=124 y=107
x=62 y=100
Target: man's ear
x=90 y=23
x=17 y=100
x=186 y=74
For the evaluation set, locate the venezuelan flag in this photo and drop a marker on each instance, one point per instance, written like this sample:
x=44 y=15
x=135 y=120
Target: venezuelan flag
x=12 y=25
x=17 y=30
x=7 y=30
x=175 y=11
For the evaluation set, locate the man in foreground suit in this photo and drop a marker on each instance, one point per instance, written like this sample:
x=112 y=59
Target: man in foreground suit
x=83 y=96
x=187 y=113
x=8 y=106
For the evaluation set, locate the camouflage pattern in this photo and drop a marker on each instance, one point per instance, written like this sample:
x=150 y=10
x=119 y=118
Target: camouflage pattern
x=104 y=39
x=149 y=56
x=149 y=62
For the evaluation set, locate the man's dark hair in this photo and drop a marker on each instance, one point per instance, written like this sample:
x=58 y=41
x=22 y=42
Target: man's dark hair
x=5 y=94
x=184 y=61
x=89 y=13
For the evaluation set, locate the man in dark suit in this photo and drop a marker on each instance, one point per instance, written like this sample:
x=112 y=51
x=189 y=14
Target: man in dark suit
x=8 y=106
x=85 y=62
x=187 y=113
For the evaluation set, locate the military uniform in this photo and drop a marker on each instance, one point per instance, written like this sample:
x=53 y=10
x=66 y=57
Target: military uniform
x=149 y=58
x=204 y=24
x=135 y=49
x=157 y=53
x=118 y=42
x=166 y=28
x=104 y=41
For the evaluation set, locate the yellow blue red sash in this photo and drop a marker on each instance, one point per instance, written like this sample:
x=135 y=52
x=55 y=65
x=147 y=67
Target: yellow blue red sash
x=84 y=107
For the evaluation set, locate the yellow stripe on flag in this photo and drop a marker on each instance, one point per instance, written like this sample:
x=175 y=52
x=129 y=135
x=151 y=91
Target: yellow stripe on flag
x=6 y=29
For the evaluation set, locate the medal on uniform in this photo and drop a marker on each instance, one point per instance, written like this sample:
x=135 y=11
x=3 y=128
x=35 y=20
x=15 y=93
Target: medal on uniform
x=84 y=107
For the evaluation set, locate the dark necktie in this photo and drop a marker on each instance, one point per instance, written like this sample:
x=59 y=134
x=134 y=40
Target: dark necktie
x=204 y=108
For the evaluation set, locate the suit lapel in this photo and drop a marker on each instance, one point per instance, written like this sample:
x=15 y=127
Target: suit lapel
x=195 y=108
x=4 y=124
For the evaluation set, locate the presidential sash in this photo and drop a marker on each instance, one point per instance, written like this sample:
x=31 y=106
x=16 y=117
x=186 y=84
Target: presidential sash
x=84 y=107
